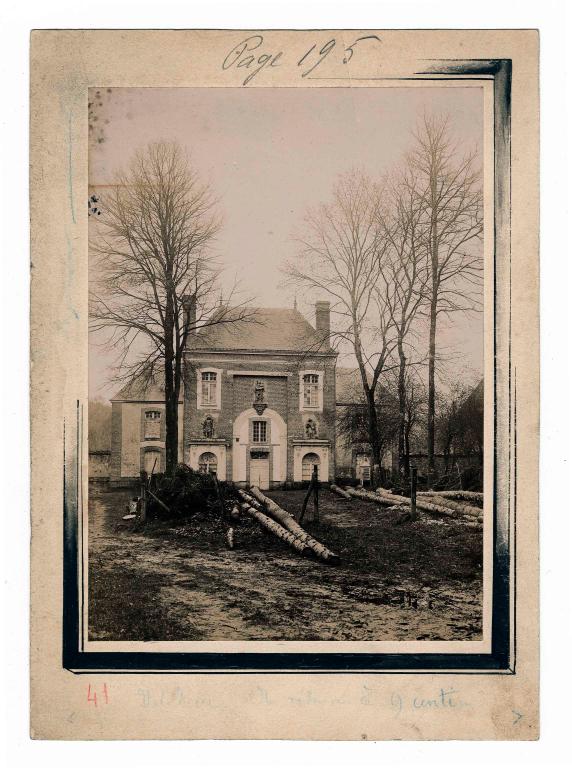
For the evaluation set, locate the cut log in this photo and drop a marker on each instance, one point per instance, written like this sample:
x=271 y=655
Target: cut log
x=340 y=491
x=462 y=509
x=426 y=506
x=369 y=496
x=275 y=511
x=474 y=496
x=275 y=528
x=288 y=521
x=381 y=496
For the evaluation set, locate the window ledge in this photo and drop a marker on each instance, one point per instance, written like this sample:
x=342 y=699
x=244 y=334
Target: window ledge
x=310 y=441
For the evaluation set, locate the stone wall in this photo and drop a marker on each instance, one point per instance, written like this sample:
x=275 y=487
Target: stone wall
x=99 y=466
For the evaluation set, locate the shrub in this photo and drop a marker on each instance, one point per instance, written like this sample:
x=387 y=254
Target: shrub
x=187 y=493
x=343 y=480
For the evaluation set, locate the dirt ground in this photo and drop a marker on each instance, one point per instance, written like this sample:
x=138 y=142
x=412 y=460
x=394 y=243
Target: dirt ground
x=178 y=580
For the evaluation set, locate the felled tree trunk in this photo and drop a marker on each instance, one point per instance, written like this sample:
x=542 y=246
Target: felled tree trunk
x=475 y=496
x=390 y=499
x=462 y=509
x=279 y=514
x=291 y=525
x=275 y=528
x=340 y=491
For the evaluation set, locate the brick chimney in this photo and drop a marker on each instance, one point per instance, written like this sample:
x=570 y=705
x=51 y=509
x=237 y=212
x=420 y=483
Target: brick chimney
x=323 y=319
x=190 y=308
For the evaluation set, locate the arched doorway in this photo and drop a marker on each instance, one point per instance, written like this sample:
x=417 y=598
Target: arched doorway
x=308 y=462
x=208 y=463
x=152 y=461
x=259 y=448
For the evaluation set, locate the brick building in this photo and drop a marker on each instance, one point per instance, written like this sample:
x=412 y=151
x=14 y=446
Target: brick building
x=259 y=404
x=138 y=430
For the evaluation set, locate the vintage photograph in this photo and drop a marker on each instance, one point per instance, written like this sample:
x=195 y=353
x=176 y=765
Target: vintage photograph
x=287 y=369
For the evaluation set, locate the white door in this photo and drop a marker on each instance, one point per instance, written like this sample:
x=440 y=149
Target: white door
x=260 y=473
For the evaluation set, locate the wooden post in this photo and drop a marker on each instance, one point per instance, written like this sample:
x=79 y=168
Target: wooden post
x=143 y=495
x=311 y=490
x=414 y=492
x=219 y=493
x=316 y=489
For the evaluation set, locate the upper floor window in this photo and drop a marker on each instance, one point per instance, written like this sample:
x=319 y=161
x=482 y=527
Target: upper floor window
x=152 y=425
x=209 y=388
x=311 y=390
x=259 y=432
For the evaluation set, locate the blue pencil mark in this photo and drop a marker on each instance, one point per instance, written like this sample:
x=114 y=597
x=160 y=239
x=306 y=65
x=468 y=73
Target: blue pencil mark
x=70 y=167
x=70 y=274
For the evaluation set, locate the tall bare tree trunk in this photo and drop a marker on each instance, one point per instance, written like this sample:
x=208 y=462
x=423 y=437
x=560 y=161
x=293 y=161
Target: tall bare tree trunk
x=374 y=437
x=171 y=394
x=434 y=254
x=431 y=395
x=402 y=397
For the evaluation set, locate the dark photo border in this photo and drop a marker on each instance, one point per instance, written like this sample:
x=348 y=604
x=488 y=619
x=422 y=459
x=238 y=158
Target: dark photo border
x=502 y=658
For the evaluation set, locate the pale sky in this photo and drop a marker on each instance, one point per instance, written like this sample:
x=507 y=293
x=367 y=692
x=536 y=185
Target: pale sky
x=269 y=154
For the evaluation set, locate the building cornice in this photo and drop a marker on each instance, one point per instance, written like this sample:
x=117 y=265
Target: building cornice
x=140 y=400
x=260 y=353
x=268 y=374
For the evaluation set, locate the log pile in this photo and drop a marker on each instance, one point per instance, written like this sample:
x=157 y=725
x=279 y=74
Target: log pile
x=462 y=509
x=432 y=505
x=473 y=496
x=271 y=525
x=284 y=525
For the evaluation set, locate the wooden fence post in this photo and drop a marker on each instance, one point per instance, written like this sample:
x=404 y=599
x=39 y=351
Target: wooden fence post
x=316 y=491
x=219 y=493
x=414 y=492
x=312 y=490
x=143 y=495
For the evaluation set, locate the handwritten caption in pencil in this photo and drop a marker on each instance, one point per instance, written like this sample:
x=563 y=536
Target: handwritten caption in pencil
x=252 y=56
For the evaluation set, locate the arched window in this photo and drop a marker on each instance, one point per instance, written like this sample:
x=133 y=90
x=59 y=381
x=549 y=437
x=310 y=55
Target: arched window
x=308 y=465
x=207 y=463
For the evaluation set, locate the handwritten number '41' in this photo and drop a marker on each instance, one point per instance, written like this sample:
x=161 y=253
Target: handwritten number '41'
x=92 y=695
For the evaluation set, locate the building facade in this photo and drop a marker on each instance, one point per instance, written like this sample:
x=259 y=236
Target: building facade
x=259 y=403
x=138 y=431
x=260 y=399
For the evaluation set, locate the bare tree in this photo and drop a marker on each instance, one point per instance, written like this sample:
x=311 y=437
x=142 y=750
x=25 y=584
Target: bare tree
x=403 y=280
x=449 y=188
x=340 y=256
x=459 y=422
x=154 y=277
x=352 y=423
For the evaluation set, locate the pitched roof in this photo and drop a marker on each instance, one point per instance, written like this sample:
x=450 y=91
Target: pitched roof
x=143 y=388
x=274 y=329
